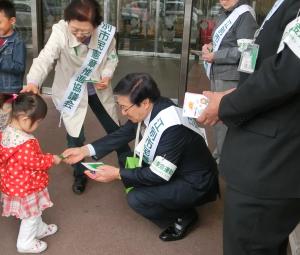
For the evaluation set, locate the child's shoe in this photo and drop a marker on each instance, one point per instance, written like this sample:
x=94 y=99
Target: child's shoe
x=36 y=247
x=50 y=230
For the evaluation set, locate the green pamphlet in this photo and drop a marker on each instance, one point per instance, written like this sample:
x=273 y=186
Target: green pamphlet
x=92 y=81
x=92 y=166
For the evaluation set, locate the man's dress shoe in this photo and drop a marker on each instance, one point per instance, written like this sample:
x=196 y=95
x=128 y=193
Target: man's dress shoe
x=79 y=184
x=178 y=229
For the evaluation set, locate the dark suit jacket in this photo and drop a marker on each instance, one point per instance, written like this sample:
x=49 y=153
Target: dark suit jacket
x=261 y=153
x=178 y=144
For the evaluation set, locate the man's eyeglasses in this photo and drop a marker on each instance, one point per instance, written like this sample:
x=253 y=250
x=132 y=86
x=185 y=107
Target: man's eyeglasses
x=124 y=108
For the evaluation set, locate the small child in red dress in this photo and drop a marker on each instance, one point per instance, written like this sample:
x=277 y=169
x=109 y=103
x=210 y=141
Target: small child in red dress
x=24 y=173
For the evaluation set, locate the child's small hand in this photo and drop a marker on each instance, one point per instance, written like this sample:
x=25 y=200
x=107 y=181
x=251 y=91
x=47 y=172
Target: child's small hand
x=57 y=159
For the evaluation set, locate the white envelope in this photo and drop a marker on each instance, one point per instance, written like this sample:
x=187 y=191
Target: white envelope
x=194 y=104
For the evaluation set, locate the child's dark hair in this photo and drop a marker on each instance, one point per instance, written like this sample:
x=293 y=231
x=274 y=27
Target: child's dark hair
x=8 y=8
x=84 y=10
x=32 y=105
x=3 y=98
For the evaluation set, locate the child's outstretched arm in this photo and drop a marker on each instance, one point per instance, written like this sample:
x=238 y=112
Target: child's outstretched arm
x=34 y=159
x=57 y=159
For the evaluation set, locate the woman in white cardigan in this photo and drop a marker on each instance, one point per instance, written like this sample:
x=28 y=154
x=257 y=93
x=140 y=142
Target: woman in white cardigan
x=68 y=49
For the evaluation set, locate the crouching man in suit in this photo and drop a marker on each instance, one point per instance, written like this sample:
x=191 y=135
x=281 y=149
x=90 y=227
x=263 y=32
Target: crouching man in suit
x=178 y=172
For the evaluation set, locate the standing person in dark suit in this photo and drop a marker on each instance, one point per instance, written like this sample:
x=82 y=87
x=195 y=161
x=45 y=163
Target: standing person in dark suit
x=260 y=160
x=178 y=172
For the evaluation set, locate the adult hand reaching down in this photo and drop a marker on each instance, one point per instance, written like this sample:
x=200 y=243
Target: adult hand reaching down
x=30 y=87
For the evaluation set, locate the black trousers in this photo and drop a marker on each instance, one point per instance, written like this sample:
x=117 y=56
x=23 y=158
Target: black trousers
x=254 y=226
x=109 y=126
x=163 y=204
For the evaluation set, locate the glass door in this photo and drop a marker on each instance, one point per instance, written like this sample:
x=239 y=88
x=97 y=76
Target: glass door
x=23 y=24
x=150 y=27
x=52 y=12
x=149 y=39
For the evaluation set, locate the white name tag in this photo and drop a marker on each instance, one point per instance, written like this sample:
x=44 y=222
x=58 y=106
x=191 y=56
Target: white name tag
x=248 y=58
x=163 y=168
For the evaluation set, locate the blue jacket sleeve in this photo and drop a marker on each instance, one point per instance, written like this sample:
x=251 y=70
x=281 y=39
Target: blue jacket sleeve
x=18 y=62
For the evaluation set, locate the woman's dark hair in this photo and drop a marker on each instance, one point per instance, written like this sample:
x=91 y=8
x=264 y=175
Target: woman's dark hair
x=8 y=8
x=138 y=86
x=84 y=10
x=32 y=105
x=4 y=98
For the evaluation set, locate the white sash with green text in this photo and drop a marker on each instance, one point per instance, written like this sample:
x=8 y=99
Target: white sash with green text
x=168 y=117
x=291 y=37
x=74 y=93
x=222 y=30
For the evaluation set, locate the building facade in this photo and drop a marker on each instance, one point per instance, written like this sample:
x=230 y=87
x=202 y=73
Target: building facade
x=155 y=36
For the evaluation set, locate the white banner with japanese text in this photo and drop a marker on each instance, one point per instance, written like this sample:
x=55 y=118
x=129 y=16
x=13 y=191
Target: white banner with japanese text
x=222 y=30
x=93 y=59
x=168 y=117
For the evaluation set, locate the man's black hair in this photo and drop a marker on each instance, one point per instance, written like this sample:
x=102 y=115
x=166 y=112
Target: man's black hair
x=8 y=8
x=138 y=87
